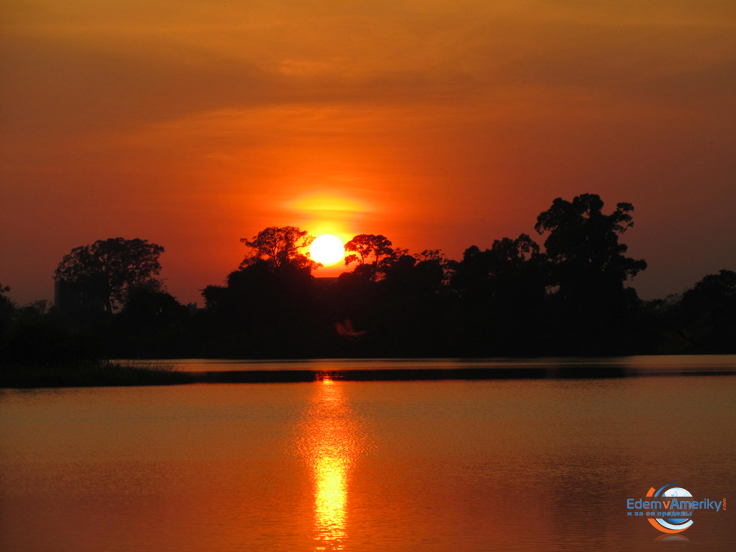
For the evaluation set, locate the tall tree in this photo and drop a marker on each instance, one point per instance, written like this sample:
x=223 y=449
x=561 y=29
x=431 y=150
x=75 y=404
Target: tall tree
x=109 y=270
x=372 y=253
x=588 y=265
x=280 y=247
x=583 y=243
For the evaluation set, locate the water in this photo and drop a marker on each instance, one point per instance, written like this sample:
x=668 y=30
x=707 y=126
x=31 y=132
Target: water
x=335 y=465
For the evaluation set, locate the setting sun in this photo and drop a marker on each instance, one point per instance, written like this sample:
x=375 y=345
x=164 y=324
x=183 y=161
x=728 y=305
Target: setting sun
x=327 y=249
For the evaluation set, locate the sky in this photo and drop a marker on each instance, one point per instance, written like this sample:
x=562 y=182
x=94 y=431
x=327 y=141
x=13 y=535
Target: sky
x=438 y=123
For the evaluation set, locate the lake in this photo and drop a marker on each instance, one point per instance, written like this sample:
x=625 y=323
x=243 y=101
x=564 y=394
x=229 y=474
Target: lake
x=542 y=464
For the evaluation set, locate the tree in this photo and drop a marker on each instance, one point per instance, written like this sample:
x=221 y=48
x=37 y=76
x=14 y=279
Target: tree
x=7 y=306
x=280 y=247
x=150 y=310
x=499 y=270
x=109 y=270
x=372 y=253
x=431 y=255
x=583 y=244
x=412 y=275
x=594 y=310
x=712 y=291
x=501 y=294
x=264 y=310
x=709 y=312
x=212 y=296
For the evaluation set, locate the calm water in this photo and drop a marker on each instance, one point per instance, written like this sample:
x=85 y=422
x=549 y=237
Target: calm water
x=438 y=466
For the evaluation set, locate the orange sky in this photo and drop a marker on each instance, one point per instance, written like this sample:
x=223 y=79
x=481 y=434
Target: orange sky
x=440 y=124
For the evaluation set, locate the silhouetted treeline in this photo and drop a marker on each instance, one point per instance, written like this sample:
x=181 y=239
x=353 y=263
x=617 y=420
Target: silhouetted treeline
x=570 y=295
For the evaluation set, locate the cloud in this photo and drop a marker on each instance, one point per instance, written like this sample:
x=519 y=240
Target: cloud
x=454 y=119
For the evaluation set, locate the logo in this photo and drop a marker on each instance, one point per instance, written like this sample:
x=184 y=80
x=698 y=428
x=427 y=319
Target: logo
x=671 y=508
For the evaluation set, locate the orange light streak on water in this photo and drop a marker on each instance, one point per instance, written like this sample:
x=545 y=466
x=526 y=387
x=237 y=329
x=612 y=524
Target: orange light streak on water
x=331 y=439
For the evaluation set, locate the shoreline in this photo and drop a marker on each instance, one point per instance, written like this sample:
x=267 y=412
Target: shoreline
x=112 y=374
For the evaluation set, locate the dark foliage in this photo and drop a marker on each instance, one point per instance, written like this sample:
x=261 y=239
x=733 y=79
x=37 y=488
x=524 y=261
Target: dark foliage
x=570 y=297
x=279 y=247
x=588 y=267
x=107 y=272
x=500 y=295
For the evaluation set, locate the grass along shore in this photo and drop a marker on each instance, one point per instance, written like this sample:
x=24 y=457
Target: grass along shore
x=90 y=373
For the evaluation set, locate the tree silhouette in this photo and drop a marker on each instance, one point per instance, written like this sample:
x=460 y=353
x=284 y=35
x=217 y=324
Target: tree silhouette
x=7 y=307
x=269 y=308
x=416 y=274
x=280 y=247
x=712 y=291
x=431 y=255
x=212 y=296
x=512 y=299
x=150 y=310
x=583 y=243
x=501 y=294
x=709 y=312
x=109 y=270
x=495 y=270
x=372 y=253
x=589 y=266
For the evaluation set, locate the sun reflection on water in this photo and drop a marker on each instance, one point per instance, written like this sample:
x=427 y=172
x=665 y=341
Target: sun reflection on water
x=330 y=497
x=331 y=439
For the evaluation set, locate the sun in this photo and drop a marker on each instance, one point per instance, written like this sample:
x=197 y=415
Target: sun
x=327 y=249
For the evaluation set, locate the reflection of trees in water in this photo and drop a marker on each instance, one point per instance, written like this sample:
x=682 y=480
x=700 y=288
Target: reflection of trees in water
x=331 y=438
